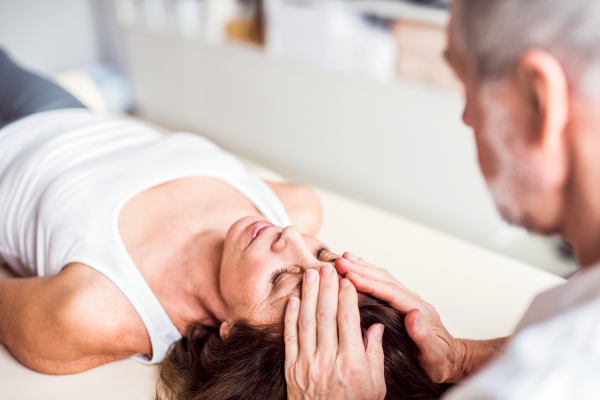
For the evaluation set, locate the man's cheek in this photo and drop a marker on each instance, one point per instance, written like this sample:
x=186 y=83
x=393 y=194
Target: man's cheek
x=483 y=157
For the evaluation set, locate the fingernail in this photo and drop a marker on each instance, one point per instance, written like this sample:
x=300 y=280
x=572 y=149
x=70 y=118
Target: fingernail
x=326 y=270
x=418 y=321
x=344 y=283
x=342 y=260
x=293 y=303
x=352 y=256
x=310 y=276
x=379 y=332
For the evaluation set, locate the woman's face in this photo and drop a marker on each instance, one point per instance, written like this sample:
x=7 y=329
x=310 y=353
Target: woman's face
x=262 y=268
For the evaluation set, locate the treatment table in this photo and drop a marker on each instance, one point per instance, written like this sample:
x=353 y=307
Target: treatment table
x=479 y=294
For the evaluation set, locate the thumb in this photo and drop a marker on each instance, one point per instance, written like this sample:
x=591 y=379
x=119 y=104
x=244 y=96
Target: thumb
x=375 y=355
x=413 y=321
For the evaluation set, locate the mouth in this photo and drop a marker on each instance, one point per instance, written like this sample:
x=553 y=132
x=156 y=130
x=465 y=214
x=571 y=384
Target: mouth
x=258 y=228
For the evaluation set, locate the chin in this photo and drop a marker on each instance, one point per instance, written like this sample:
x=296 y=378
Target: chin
x=519 y=212
x=239 y=226
x=506 y=203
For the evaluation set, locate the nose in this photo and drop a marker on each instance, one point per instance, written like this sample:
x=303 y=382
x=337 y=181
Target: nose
x=467 y=115
x=290 y=238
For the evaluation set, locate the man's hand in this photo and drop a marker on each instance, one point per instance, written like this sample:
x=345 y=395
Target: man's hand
x=318 y=365
x=444 y=358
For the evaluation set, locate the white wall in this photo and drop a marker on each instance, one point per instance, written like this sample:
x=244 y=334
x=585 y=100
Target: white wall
x=402 y=146
x=51 y=35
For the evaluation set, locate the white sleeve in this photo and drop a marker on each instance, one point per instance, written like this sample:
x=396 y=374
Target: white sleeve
x=556 y=359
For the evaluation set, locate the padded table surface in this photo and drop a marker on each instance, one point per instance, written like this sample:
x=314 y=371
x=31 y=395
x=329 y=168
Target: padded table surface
x=479 y=294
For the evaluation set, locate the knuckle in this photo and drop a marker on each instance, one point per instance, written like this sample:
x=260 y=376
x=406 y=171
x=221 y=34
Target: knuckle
x=387 y=276
x=346 y=317
x=377 y=356
x=289 y=319
x=324 y=365
x=353 y=370
x=432 y=309
x=325 y=315
x=290 y=338
x=294 y=377
x=306 y=322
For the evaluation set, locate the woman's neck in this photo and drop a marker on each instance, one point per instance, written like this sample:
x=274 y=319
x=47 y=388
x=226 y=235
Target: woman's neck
x=174 y=233
x=188 y=288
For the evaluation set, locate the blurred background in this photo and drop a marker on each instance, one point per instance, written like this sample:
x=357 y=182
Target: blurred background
x=349 y=95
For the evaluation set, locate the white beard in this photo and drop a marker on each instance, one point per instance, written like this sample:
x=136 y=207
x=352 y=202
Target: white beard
x=516 y=179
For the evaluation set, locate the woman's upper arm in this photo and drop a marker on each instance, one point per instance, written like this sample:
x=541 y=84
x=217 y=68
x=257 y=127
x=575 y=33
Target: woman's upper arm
x=301 y=204
x=68 y=323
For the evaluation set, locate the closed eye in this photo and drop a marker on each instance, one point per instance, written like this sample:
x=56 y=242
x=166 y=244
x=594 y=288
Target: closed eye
x=320 y=251
x=286 y=270
x=276 y=274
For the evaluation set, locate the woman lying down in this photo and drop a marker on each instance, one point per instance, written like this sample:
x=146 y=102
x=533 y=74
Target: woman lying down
x=162 y=248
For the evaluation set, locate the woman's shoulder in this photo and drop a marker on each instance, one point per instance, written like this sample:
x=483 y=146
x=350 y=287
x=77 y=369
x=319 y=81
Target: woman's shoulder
x=70 y=322
x=99 y=316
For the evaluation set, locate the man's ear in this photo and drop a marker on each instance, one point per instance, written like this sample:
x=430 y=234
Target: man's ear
x=224 y=329
x=544 y=88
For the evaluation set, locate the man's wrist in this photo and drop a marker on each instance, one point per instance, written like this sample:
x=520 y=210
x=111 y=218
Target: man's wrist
x=473 y=355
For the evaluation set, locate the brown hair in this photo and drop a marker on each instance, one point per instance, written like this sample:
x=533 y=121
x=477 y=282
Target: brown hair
x=249 y=362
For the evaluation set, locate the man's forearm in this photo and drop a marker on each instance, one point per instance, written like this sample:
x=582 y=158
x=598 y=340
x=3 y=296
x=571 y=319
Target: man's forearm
x=475 y=354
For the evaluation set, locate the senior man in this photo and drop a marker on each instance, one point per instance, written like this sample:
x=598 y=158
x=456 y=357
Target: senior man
x=531 y=71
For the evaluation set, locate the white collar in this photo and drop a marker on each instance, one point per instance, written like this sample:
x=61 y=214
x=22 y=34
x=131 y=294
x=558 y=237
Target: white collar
x=582 y=288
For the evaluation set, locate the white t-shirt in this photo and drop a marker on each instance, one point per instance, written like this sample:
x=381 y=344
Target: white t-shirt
x=65 y=176
x=555 y=353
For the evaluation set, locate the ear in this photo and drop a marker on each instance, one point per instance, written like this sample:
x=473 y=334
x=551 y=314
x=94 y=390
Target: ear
x=224 y=329
x=544 y=86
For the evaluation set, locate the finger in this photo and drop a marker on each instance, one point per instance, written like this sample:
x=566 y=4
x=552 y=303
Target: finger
x=413 y=321
x=375 y=355
x=327 y=306
x=419 y=331
x=398 y=297
x=307 y=332
x=350 y=338
x=351 y=257
x=290 y=331
x=344 y=266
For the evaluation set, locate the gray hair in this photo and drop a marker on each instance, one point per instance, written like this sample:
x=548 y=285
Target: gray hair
x=494 y=34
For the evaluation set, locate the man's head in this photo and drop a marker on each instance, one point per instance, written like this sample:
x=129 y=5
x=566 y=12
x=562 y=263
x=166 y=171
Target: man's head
x=531 y=69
